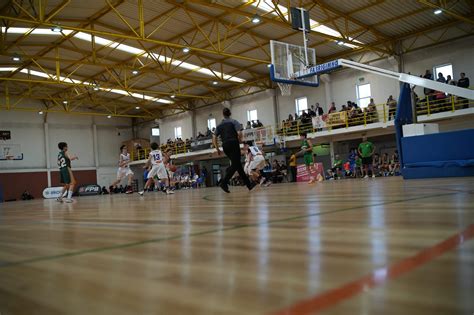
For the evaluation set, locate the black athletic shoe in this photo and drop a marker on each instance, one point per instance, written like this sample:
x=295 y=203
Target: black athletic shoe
x=251 y=186
x=224 y=187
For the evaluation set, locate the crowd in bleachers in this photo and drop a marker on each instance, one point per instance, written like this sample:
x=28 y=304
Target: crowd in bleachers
x=437 y=101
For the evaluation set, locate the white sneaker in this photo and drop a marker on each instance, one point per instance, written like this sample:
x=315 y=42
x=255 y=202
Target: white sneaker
x=373 y=176
x=169 y=192
x=141 y=193
x=366 y=176
x=69 y=200
x=59 y=199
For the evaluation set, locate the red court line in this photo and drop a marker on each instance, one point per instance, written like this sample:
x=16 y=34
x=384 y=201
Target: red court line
x=378 y=276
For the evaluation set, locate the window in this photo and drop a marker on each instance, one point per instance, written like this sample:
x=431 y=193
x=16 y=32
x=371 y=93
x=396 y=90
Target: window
x=177 y=132
x=211 y=123
x=252 y=115
x=446 y=70
x=301 y=105
x=363 y=95
x=155 y=132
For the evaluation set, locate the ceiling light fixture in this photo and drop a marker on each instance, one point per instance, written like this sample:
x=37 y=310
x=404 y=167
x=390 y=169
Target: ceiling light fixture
x=256 y=19
x=40 y=112
x=134 y=72
x=65 y=102
x=109 y=116
x=186 y=50
x=215 y=82
x=57 y=29
x=96 y=87
x=438 y=11
x=16 y=57
x=173 y=96
x=138 y=107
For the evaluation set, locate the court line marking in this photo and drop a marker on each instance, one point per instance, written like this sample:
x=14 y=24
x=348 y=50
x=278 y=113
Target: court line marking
x=180 y=236
x=379 y=276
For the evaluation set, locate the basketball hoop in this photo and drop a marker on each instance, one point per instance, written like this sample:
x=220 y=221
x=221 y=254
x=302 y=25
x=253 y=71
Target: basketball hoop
x=285 y=88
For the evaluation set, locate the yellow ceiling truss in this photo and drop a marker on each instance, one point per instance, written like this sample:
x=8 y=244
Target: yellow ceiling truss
x=227 y=56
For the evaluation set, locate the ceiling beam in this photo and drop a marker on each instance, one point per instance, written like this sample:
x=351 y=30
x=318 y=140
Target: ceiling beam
x=448 y=11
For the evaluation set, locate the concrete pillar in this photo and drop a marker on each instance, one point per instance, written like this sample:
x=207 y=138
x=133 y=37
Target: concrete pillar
x=95 y=145
x=46 y=151
x=326 y=79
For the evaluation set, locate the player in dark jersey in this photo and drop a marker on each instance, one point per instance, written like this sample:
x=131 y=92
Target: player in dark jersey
x=65 y=172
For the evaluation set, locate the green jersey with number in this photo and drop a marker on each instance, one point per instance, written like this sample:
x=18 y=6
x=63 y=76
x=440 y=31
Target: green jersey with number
x=63 y=161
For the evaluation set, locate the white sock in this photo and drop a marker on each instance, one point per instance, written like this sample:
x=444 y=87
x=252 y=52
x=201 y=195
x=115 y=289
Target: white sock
x=69 y=194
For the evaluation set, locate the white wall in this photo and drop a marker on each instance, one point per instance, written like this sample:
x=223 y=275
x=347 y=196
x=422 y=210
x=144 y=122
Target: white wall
x=168 y=124
x=460 y=54
x=28 y=130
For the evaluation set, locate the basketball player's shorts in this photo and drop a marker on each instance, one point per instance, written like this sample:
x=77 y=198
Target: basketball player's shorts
x=258 y=163
x=308 y=159
x=65 y=176
x=123 y=172
x=158 y=170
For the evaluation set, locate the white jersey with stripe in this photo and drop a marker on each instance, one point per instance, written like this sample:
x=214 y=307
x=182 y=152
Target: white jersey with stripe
x=124 y=158
x=255 y=150
x=156 y=157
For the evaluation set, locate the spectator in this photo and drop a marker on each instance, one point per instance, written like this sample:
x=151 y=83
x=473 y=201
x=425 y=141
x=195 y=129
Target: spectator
x=249 y=126
x=336 y=170
x=104 y=191
x=449 y=80
x=372 y=111
x=254 y=124
x=259 y=124
x=311 y=111
x=428 y=76
x=463 y=81
x=366 y=151
x=332 y=109
x=376 y=165
x=319 y=110
x=392 y=107
x=385 y=164
x=292 y=164
x=296 y=116
x=290 y=117
x=344 y=108
x=441 y=78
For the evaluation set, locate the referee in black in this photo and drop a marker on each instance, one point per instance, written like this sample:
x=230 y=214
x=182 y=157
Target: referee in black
x=230 y=131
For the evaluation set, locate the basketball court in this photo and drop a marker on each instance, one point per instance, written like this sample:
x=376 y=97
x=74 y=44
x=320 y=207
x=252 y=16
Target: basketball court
x=115 y=159
x=292 y=248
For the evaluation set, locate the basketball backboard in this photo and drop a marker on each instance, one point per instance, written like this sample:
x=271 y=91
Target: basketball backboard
x=289 y=59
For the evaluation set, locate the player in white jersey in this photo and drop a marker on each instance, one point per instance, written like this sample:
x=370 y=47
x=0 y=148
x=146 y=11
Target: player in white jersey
x=254 y=161
x=157 y=160
x=124 y=170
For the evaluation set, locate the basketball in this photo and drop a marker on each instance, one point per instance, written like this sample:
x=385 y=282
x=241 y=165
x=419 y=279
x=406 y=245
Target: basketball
x=172 y=168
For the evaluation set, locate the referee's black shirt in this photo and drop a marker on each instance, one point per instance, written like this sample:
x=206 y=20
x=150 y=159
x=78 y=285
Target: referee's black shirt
x=228 y=130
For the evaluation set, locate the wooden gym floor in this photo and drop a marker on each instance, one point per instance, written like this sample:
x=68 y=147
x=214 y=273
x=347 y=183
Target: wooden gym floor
x=376 y=246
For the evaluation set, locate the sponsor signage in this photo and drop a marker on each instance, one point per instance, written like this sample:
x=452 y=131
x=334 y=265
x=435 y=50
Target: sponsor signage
x=52 y=192
x=89 y=190
x=303 y=176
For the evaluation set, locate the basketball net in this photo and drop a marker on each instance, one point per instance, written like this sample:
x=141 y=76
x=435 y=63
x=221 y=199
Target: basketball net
x=285 y=88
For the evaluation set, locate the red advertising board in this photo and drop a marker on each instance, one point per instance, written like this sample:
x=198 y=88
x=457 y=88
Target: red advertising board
x=303 y=176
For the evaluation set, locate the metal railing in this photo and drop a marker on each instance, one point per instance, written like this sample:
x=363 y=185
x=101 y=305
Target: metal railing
x=381 y=113
x=342 y=119
x=433 y=105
